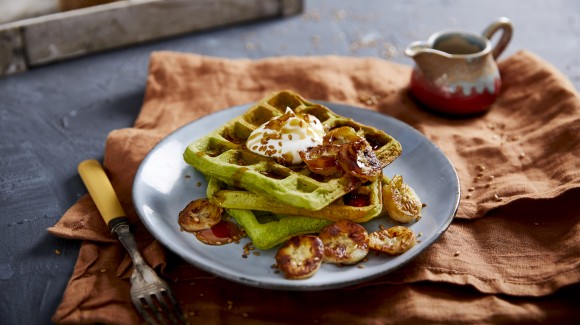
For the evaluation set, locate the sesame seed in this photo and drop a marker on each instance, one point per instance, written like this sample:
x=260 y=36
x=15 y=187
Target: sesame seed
x=456 y=253
x=57 y=252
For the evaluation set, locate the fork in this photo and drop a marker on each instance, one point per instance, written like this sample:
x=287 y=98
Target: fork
x=151 y=296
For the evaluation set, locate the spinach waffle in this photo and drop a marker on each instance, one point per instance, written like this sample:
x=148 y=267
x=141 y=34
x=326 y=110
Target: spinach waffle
x=360 y=205
x=223 y=155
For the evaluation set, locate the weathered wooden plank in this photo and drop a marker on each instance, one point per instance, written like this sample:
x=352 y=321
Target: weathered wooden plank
x=11 y=52
x=70 y=34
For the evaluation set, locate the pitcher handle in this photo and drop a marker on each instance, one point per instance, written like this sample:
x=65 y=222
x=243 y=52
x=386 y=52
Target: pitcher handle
x=506 y=27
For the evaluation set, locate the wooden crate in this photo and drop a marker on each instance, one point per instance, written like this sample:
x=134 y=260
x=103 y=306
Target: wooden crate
x=37 y=41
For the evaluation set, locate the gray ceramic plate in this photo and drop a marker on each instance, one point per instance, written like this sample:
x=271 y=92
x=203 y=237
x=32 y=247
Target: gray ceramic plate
x=164 y=184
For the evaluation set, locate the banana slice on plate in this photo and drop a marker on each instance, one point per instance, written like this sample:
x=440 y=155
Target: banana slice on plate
x=395 y=240
x=199 y=214
x=345 y=242
x=400 y=200
x=300 y=257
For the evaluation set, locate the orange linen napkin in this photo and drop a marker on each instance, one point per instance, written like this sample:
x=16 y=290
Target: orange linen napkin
x=511 y=255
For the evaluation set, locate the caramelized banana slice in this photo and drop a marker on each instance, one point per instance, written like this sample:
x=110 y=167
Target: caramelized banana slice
x=345 y=242
x=343 y=150
x=395 y=240
x=199 y=214
x=322 y=159
x=359 y=160
x=400 y=201
x=300 y=257
x=341 y=135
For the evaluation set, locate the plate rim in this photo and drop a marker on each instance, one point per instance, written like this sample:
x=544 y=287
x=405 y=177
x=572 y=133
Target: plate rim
x=294 y=285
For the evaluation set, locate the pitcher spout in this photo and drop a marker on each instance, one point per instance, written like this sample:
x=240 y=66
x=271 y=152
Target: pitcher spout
x=424 y=54
x=417 y=47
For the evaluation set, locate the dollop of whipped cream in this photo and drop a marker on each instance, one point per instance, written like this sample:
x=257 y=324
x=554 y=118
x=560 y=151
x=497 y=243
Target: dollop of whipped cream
x=286 y=135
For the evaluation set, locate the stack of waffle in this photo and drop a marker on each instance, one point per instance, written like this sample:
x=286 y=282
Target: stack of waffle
x=273 y=201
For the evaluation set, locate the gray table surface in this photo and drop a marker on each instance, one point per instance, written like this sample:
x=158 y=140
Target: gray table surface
x=53 y=117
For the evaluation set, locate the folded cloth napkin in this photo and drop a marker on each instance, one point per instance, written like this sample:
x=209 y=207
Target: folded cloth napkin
x=511 y=255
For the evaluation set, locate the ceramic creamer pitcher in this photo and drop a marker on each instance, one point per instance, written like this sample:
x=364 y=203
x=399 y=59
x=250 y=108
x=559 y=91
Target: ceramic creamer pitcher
x=456 y=71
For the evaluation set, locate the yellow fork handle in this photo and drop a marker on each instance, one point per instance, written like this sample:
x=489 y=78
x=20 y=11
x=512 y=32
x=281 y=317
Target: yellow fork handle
x=102 y=192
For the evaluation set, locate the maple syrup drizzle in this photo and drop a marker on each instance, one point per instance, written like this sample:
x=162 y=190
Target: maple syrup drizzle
x=357 y=200
x=224 y=232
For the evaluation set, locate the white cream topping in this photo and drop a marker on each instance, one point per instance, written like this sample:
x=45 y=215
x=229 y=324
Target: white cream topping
x=286 y=135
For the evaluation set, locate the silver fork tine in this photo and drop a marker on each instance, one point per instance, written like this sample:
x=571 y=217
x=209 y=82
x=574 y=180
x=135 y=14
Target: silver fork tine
x=164 y=308
x=180 y=319
x=139 y=306
x=145 y=284
x=154 y=309
x=153 y=299
x=163 y=297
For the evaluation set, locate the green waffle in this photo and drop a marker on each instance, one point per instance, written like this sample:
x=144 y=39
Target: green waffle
x=267 y=230
x=222 y=154
x=368 y=198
